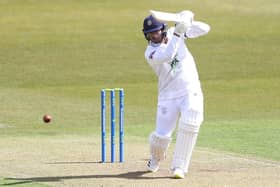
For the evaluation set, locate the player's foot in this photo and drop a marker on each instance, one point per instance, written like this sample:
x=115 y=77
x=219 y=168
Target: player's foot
x=178 y=173
x=153 y=165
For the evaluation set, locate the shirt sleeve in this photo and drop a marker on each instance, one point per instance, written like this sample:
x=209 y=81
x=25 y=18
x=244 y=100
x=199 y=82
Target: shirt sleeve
x=197 y=29
x=160 y=54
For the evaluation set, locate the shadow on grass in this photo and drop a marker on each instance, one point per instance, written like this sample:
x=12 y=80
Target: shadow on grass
x=139 y=175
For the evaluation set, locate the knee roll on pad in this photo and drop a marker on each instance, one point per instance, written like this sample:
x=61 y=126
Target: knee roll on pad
x=187 y=127
x=158 y=146
x=192 y=117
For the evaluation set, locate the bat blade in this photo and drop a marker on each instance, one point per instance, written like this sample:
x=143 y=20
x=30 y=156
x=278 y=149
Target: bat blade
x=166 y=16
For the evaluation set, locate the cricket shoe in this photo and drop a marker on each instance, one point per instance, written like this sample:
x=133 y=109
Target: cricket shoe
x=178 y=173
x=153 y=165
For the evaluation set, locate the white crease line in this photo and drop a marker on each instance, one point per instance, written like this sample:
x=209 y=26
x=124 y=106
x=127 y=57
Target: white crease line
x=263 y=162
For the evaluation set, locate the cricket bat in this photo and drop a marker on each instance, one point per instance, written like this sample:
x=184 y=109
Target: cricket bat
x=174 y=17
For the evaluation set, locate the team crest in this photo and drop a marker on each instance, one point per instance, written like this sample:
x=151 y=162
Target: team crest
x=149 y=22
x=175 y=66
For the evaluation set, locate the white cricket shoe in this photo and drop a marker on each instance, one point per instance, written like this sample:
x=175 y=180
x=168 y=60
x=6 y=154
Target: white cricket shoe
x=153 y=165
x=178 y=173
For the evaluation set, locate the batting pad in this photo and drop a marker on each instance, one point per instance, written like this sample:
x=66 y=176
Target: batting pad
x=185 y=142
x=158 y=146
x=194 y=113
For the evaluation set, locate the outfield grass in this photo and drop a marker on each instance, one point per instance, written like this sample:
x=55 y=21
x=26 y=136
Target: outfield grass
x=55 y=56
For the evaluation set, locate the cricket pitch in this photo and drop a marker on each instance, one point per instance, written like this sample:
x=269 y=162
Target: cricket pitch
x=75 y=161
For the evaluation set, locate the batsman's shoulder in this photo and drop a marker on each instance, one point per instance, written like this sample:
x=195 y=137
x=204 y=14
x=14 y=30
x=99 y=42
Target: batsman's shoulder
x=150 y=51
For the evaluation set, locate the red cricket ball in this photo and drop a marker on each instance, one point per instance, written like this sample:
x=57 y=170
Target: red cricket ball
x=47 y=118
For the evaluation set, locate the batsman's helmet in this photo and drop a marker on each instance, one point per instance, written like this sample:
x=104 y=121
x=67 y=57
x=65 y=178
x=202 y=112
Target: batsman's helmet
x=151 y=24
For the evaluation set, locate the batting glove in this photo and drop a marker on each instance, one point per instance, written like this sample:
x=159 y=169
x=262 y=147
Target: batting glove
x=181 y=28
x=187 y=16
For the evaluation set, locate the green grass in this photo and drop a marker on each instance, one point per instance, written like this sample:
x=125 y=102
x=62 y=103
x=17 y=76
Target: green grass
x=55 y=56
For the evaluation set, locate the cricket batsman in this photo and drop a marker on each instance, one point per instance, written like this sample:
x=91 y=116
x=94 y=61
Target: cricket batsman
x=180 y=96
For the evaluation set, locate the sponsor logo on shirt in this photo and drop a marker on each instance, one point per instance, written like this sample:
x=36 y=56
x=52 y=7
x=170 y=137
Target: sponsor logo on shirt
x=175 y=66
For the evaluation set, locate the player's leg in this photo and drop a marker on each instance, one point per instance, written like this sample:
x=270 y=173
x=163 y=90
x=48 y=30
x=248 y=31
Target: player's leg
x=188 y=128
x=167 y=115
x=158 y=147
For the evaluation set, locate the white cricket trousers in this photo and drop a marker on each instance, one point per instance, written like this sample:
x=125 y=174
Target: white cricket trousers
x=189 y=108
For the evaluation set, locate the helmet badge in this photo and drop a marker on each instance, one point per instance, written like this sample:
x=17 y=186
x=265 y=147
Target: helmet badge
x=149 y=23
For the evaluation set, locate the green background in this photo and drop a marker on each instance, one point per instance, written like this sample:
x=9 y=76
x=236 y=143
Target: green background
x=55 y=56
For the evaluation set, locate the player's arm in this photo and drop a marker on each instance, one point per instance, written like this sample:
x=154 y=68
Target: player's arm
x=166 y=54
x=161 y=55
x=197 y=29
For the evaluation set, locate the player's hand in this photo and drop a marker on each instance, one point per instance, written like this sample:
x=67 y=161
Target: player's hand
x=187 y=16
x=181 y=28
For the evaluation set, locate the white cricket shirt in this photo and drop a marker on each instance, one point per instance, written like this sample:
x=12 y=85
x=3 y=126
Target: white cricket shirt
x=173 y=63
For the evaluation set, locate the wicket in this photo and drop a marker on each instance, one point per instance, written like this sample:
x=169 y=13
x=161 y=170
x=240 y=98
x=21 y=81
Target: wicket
x=112 y=120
